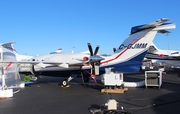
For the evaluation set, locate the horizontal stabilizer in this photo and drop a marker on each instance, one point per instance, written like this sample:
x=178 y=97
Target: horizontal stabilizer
x=7 y=44
x=163 y=28
x=154 y=24
x=164 y=31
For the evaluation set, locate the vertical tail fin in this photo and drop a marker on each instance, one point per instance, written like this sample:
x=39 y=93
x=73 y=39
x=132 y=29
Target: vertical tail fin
x=19 y=57
x=138 y=42
x=8 y=45
x=129 y=55
x=152 y=48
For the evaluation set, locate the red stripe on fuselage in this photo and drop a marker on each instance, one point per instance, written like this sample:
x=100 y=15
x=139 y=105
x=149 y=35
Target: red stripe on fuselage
x=121 y=52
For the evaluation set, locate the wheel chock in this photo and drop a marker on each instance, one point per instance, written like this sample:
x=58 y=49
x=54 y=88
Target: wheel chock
x=67 y=86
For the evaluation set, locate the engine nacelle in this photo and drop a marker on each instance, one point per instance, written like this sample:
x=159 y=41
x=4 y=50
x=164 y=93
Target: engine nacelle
x=95 y=58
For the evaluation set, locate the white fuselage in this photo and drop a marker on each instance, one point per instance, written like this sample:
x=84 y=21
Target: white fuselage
x=169 y=57
x=127 y=57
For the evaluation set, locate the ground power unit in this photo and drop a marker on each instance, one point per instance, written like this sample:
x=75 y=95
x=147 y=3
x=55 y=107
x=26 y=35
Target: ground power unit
x=111 y=79
x=153 y=78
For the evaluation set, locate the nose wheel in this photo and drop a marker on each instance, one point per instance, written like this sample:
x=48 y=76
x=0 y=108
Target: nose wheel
x=65 y=83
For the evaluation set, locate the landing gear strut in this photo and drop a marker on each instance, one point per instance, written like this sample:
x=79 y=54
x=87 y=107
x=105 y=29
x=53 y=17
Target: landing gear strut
x=65 y=82
x=85 y=78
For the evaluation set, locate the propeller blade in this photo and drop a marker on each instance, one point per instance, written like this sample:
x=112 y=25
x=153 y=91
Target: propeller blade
x=96 y=50
x=90 y=49
x=32 y=70
x=93 y=60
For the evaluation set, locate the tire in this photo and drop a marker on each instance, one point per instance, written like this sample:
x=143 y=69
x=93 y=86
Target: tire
x=64 y=83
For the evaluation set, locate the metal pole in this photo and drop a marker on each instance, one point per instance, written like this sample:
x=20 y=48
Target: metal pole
x=73 y=50
x=167 y=34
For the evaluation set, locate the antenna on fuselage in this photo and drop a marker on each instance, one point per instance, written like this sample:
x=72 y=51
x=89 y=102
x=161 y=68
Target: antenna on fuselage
x=167 y=34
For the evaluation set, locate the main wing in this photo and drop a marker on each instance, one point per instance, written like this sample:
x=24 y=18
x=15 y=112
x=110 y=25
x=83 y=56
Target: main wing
x=21 y=62
x=64 y=64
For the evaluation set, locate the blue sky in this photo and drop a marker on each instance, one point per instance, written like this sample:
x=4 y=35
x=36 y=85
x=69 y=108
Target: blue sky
x=42 y=26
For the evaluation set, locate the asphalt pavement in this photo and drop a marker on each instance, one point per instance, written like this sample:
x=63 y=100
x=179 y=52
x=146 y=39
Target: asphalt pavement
x=48 y=97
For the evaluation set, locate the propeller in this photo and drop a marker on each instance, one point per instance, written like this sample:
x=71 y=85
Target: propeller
x=91 y=50
x=94 y=60
x=33 y=72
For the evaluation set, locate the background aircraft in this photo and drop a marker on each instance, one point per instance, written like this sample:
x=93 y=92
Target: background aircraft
x=8 y=55
x=10 y=47
x=163 y=57
x=8 y=67
x=19 y=57
x=57 y=51
x=127 y=57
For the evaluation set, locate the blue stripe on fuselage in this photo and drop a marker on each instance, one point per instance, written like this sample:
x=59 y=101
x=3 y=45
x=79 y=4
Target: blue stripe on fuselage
x=132 y=65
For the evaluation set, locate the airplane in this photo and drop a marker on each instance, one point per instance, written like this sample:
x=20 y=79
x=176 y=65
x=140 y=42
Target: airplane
x=26 y=68
x=57 y=51
x=8 y=66
x=162 y=57
x=128 y=56
x=19 y=57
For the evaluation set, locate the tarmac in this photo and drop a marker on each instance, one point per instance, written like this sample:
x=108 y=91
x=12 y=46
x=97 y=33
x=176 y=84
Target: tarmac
x=48 y=97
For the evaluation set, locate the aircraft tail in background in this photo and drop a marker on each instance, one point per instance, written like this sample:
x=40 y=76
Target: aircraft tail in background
x=129 y=55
